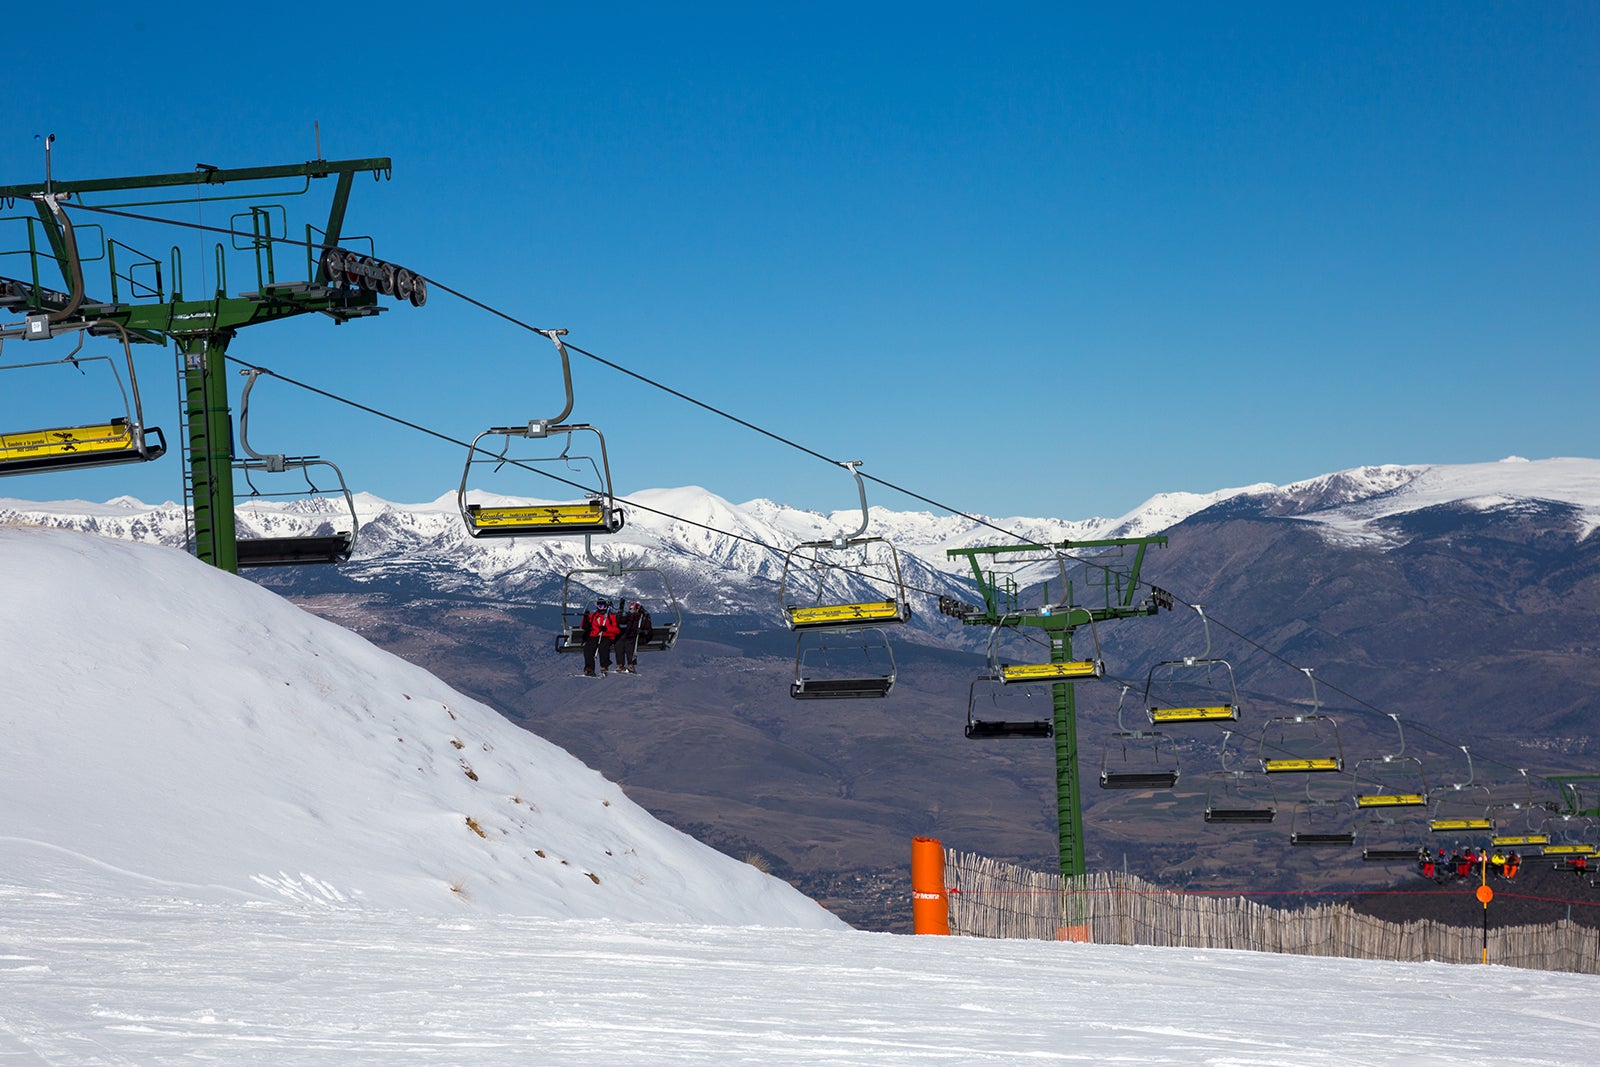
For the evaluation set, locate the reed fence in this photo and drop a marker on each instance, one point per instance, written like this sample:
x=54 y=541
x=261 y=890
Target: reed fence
x=993 y=899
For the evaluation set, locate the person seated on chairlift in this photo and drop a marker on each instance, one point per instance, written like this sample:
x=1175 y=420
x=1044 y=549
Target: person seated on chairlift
x=1427 y=864
x=599 y=633
x=1513 y=861
x=636 y=627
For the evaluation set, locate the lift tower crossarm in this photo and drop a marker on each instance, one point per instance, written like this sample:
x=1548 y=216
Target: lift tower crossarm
x=316 y=168
x=998 y=610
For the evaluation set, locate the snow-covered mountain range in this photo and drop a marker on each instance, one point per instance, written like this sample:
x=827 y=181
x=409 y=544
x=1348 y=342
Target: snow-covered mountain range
x=723 y=558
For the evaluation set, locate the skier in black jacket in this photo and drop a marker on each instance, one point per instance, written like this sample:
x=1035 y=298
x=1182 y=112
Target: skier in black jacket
x=635 y=627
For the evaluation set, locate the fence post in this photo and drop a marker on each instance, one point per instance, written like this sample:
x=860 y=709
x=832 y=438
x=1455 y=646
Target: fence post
x=930 y=904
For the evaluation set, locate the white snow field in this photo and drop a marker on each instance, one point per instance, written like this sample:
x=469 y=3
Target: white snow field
x=231 y=832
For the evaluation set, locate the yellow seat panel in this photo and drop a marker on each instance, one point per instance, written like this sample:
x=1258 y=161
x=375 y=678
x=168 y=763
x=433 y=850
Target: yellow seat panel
x=1321 y=763
x=1522 y=839
x=552 y=516
x=1391 y=800
x=1215 y=713
x=1570 y=850
x=30 y=444
x=1048 y=672
x=1460 y=824
x=844 y=614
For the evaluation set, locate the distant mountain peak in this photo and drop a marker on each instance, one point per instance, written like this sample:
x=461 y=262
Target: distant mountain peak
x=714 y=548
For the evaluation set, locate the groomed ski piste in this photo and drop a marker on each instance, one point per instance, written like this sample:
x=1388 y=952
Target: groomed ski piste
x=234 y=832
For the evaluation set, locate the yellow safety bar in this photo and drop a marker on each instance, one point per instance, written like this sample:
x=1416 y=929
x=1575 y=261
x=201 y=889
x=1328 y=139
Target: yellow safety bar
x=542 y=516
x=1049 y=672
x=1320 y=763
x=1570 y=850
x=114 y=436
x=1521 y=839
x=1214 y=713
x=844 y=614
x=1444 y=825
x=1391 y=800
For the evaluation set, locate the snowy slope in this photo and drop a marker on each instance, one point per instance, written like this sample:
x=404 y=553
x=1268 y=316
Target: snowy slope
x=235 y=833
x=177 y=729
x=91 y=981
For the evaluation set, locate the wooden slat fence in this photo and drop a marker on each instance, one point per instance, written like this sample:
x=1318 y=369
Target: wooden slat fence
x=993 y=899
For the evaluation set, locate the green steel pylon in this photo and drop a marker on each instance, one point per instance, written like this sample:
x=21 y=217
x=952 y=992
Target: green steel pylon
x=1002 y=607
x=202 y=328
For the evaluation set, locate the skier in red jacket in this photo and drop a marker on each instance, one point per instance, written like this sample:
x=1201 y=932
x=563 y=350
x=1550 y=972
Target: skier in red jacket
x=599 y=633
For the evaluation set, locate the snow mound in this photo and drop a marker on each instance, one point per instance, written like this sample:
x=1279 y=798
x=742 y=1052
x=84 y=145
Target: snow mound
x=175 y=730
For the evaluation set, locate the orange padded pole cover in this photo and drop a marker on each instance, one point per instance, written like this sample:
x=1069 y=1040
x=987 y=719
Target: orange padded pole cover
x=930 y=906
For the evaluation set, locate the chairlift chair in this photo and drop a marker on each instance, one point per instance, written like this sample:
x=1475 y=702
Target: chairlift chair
x=1238 y=796
x=664 y=634
x=1322 y=823
x=1520 y=825
x=843 y=665
x=1184 y=679
x=1306 y=743
x=996 y=728
x=1143 y=759
x=1231 y=797
x=598 y=514
x=121 y=439
x=1395 y=780
x=826 y=609
x=1574 y=835
x=288 y=551
x=1386 y=840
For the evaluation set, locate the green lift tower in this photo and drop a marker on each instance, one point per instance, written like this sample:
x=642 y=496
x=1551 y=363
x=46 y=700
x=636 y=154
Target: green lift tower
x=1112 y=584
x=146 y=301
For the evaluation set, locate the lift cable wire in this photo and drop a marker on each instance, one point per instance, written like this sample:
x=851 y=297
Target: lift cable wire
x=537 y=470
x=513 y=320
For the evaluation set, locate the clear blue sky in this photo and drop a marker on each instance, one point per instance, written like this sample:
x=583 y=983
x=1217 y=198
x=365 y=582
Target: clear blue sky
x=1044 y=260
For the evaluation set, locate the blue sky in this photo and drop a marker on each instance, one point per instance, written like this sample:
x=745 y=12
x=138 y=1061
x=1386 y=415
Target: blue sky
x=1044 y=260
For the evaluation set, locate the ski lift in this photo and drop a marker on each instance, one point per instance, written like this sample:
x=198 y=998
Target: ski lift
x=1322 y=823
x=576 y=596
x=1529 y=831
x=1143 y=759
x=876 y=568
x=598 y=514
x=1306 y=743
x=1520 y=824
x=1194 y=683
x=997 y=726
x=843 y=665
x=1463 y=807
x=1573 y=836
x=292 y=550
x=1385 y=839
x=120 y=439
x=1392 y=781
x=1238 y=796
